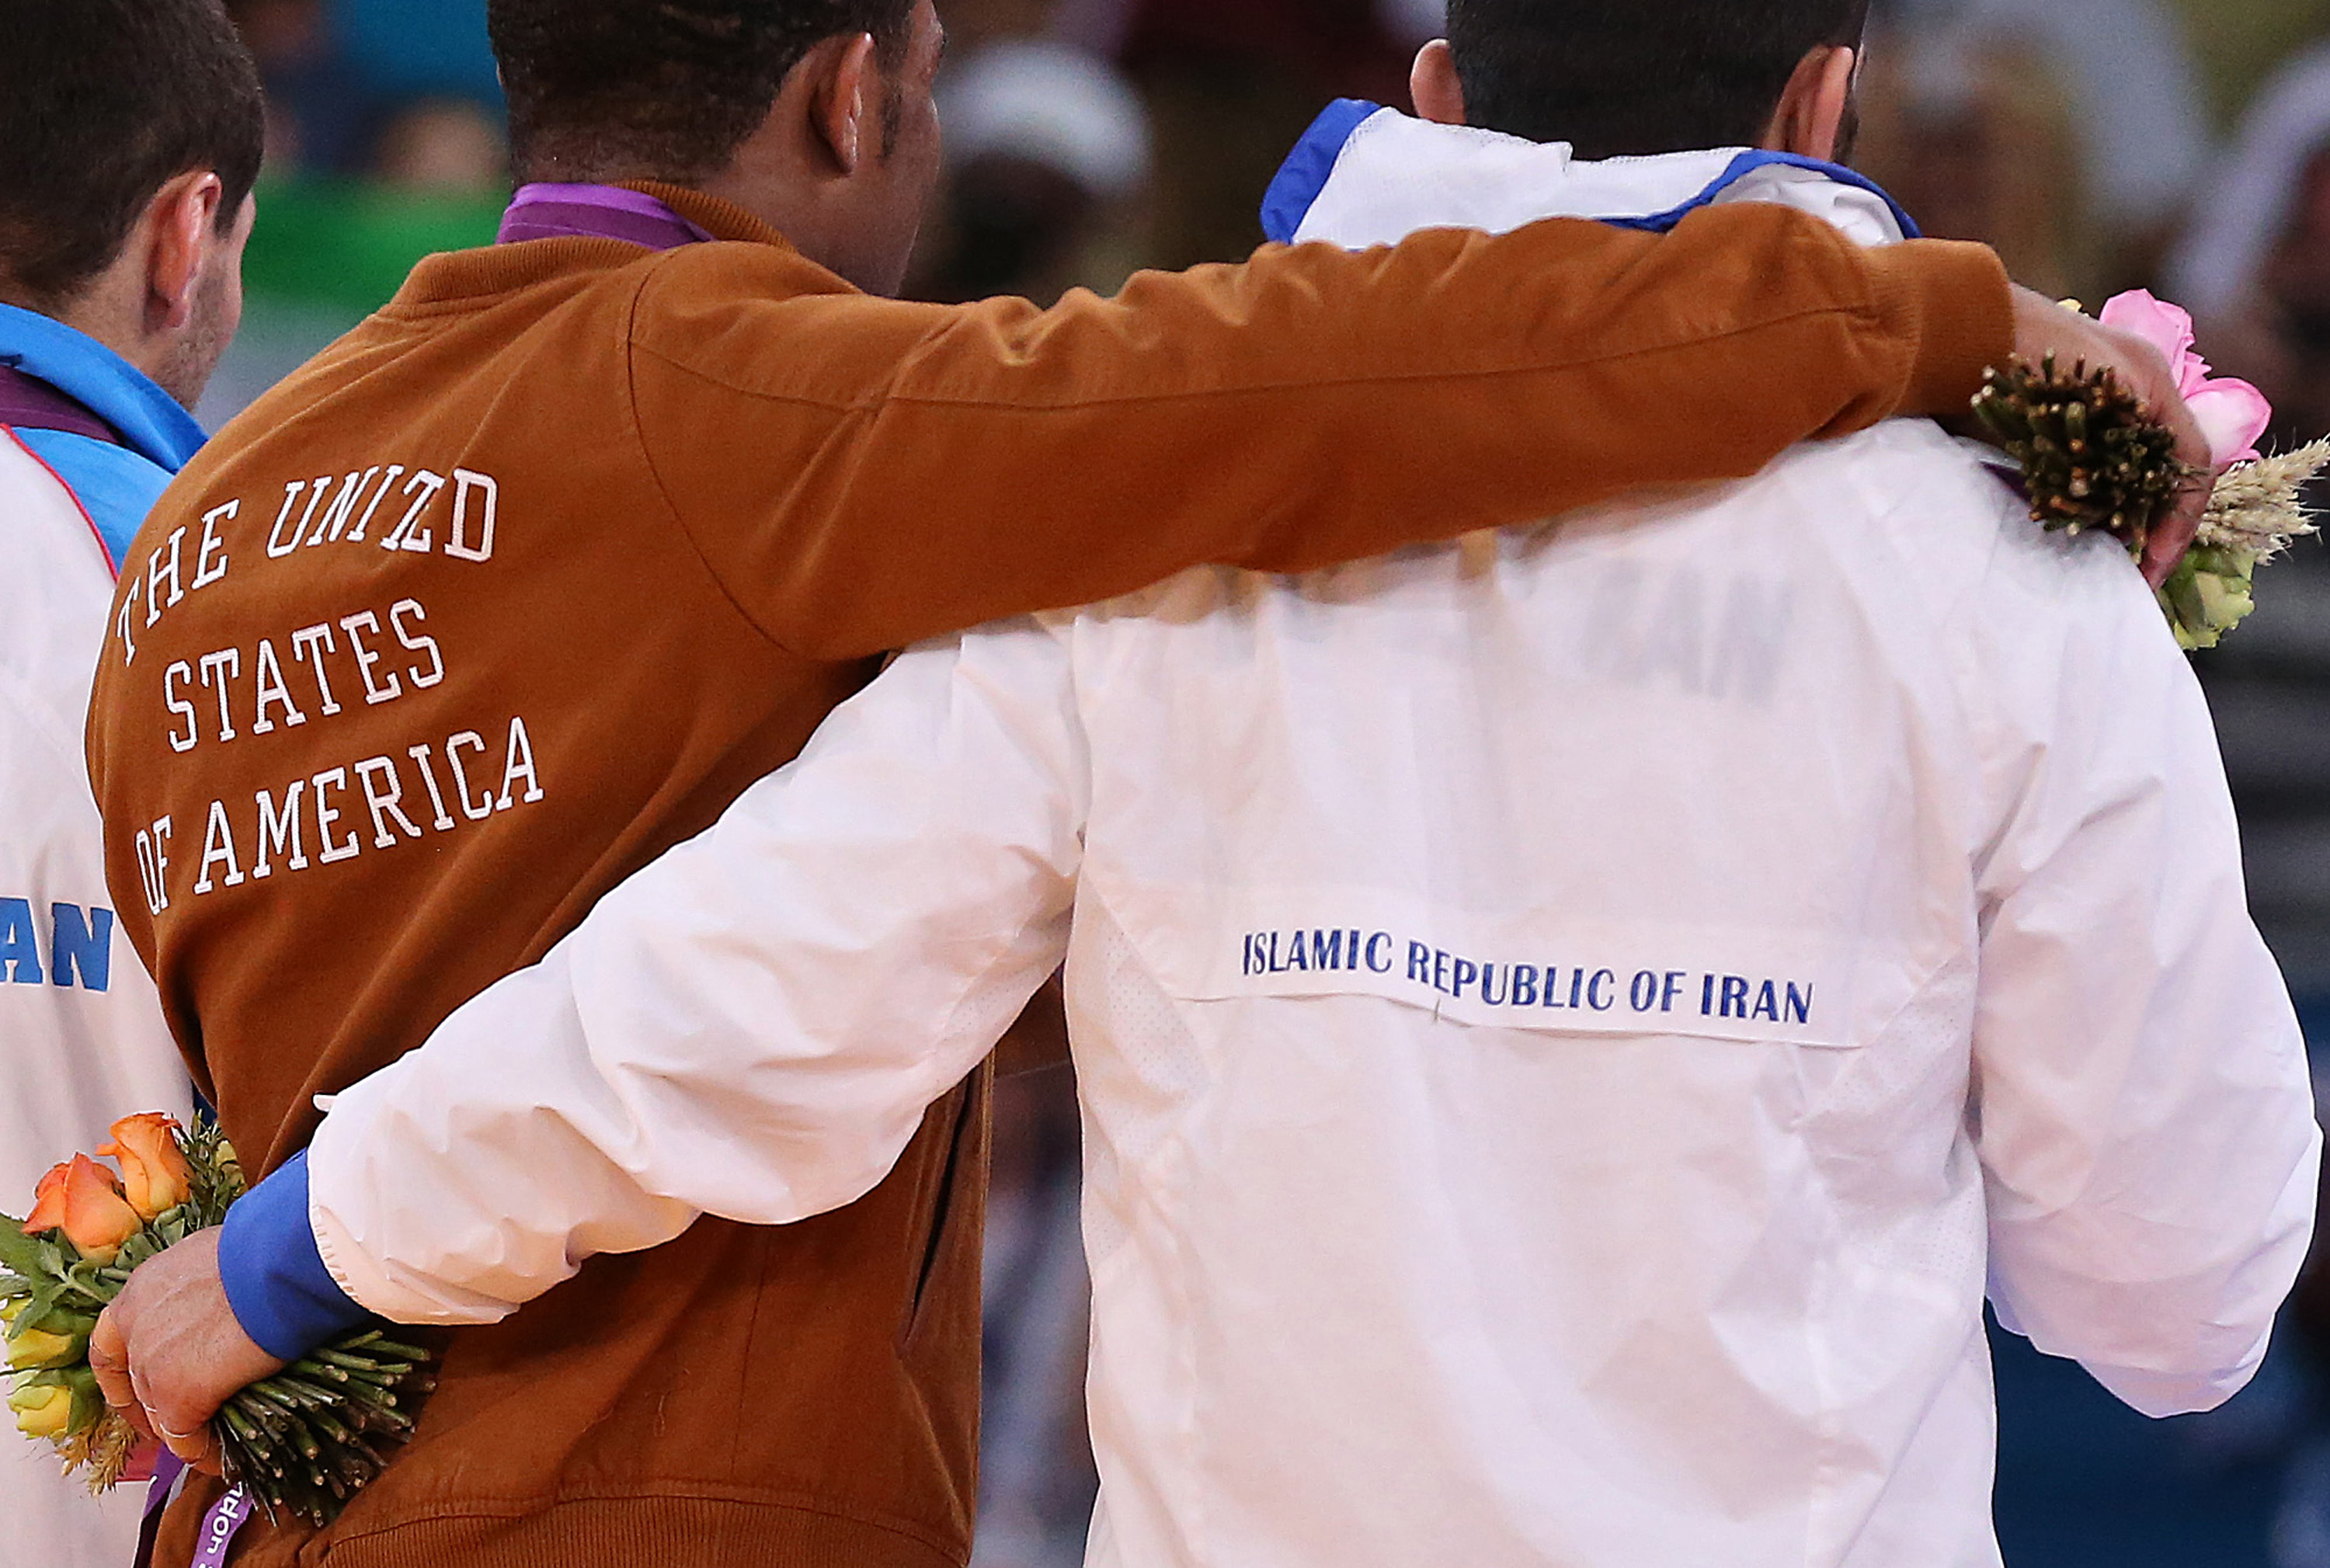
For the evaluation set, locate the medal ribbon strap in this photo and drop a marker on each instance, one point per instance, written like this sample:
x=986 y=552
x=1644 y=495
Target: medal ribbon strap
x=169 y=1470
x=574 y=211
x=29 y=403
x=227 y=1515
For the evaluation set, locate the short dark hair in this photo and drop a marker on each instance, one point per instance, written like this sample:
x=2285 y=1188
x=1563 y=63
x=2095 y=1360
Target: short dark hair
x=661 y=88
x=102 y=103
x=1621 y=77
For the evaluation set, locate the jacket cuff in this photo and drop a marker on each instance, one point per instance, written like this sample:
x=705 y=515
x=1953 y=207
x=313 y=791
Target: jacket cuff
x=276 y=1281
x=1952 y=302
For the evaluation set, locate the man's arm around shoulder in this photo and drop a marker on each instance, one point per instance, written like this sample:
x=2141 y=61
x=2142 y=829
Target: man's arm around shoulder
x=863 y=473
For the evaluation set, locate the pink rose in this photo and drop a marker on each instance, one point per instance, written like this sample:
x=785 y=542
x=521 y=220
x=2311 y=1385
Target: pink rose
x=2232 y=415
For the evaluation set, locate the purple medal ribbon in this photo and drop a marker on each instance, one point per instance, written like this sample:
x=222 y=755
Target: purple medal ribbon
x=169 y=1470
x=561 y=212
x=167 y=1467
x=29 y=404
x=227 y=1515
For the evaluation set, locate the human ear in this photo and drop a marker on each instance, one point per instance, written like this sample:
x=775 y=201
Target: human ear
x=181 y=224
x=1433 y=84
x=838 y=108
x=1811 y=118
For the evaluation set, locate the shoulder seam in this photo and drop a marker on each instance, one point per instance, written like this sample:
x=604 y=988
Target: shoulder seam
x=631 y=349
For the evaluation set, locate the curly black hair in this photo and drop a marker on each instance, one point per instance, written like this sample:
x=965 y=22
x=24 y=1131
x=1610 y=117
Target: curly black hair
x=660 y=90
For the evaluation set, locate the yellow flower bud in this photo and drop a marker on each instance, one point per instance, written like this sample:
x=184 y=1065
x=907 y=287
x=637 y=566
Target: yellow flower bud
x=41 y=1413
x=32 y=1347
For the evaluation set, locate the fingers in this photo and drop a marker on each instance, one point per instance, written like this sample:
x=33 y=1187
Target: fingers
x=2172 y=534
x=2042 y=328
x=109 y=1358
x=169 y=1351
x=162 y=1421
x=2191 y=442
x=176 y=1414
x=197 y=1447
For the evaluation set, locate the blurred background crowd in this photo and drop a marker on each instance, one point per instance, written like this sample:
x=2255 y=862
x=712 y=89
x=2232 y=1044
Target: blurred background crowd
x=2182 y=144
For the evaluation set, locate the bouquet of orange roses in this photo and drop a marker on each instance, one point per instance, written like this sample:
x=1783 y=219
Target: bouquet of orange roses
x=303 y=1441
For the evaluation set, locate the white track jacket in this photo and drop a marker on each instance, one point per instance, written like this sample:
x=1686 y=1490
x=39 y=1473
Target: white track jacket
x=1569 y=1024
x=82 y=1041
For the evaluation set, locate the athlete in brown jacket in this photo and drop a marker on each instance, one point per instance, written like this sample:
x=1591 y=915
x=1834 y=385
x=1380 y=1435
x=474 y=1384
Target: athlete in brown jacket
x=526 y=578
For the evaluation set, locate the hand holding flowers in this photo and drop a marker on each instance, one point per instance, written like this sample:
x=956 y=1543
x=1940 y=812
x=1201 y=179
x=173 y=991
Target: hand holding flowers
x=174 y=1324
x=2094 y=456
x=85 y=1206
x=2046 y=333
x=304 y=1439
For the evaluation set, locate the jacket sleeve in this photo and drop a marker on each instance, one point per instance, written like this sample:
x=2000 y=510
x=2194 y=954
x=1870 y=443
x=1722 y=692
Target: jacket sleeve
x=2144 y=1111
x=862 y=473
x=752 y=1027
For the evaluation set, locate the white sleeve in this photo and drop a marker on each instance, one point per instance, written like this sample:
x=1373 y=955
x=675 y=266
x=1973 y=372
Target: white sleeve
x=753 y=1025
x=2143 y=1108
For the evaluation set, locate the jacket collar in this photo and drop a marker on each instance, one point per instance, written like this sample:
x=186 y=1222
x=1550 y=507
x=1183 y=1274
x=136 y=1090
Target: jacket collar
x=149 y=421
x=456 y=280
x=720 y=219
x=1368 y=175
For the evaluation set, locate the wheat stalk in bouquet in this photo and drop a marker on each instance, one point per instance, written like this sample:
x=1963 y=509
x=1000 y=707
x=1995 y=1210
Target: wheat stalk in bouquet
x=2092 y=457
x=302 y=1442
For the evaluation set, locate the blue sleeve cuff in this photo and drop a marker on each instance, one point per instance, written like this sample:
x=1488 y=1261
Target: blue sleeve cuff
x=276 y=1281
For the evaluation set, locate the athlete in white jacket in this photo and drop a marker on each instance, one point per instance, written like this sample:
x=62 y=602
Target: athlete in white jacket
x=1568 y=1024
x=120 y=286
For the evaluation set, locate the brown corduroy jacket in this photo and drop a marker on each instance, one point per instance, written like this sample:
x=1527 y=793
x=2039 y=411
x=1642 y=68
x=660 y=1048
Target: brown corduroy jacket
x=526 y=578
